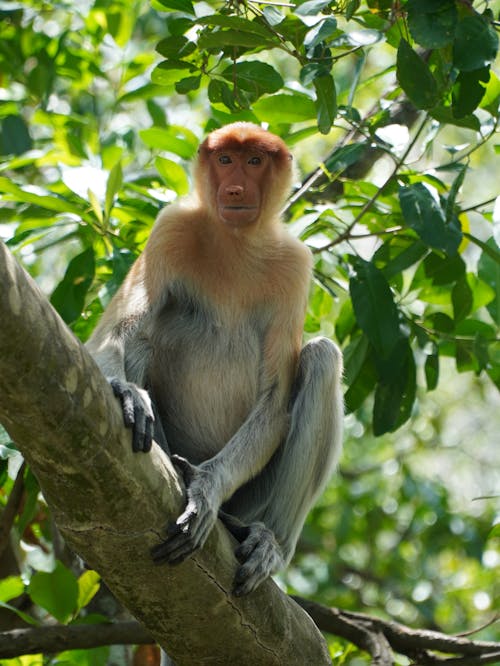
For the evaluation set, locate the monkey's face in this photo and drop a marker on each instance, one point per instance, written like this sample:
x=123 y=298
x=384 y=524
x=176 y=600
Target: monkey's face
x=240 y=177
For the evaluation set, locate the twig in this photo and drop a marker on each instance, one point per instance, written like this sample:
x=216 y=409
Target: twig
x=11 y=509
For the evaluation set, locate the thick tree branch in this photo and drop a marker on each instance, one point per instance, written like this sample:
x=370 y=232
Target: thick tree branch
x=112 y=505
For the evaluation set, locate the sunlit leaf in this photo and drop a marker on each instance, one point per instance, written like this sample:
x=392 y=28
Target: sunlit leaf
x=56 y=592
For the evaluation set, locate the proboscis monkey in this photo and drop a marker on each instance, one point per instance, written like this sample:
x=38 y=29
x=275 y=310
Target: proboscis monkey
x=202 y=345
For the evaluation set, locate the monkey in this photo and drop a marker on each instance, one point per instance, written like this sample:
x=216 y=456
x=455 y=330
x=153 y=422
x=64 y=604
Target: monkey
x=202 y=345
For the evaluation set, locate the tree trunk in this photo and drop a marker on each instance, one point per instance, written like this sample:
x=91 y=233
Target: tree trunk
x=112 y=505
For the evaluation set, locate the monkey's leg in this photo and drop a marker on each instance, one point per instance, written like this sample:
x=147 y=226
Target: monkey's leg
x=281 y=496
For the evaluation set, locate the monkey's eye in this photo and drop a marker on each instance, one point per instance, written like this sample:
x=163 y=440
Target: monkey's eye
x=255 y=161
x=225 y=159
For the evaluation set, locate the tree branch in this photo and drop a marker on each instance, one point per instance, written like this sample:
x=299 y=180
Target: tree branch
x=410 y=642
x=112 y=505
x=380 y=638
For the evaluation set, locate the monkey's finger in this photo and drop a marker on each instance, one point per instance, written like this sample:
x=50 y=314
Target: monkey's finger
x=142 y=438
x=186 y=469
x=127 y=399
x=254 y=572
x=174 y=550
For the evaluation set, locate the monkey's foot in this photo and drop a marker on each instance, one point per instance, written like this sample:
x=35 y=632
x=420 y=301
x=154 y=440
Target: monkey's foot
x=260 y=555
x=192 y=527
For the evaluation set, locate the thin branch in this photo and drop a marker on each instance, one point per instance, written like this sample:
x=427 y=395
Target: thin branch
x=380 y=638
x=402 y=639
x=11 y=509
x=50 y=640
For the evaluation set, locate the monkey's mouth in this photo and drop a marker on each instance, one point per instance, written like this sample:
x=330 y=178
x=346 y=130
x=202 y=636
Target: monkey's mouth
x=240 y=207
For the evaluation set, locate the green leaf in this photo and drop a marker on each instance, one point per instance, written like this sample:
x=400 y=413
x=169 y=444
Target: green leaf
x=362 y=385
x=489 y=272
x=56 y=592
x=88 y=586
x=168 y=72
x=453 y=193
x=461 y=298
x=424 y=214
x=284 y=108
x=175 y=46
x=432 y=23
x=178 y=5
x=113 y=186
x=394 y=398
x=254 y=76
x=415 y=77
x=345 y=156
x=444 y=115
x=444 y=270
x=468 y=91
x=374 y=307
x=50 y=202
x=221 y=39
x=404 y=259
x=491 y=99
x=173 y=175
x=11 y=587
x=236 y=23
x=476 y=43
x=320 y=32
x=188 y=84
x=68 y=297
x=175 y=139
x=15 y=138
x=24 y=616
x=326 y=102
x=432 y=370
x=311 y=7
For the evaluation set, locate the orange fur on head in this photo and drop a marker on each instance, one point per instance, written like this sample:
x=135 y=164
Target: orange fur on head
x=240 y=137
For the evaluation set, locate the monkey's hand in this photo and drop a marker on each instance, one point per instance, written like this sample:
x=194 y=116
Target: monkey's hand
x=192 y=527
x=137 y=412
x=260 y=556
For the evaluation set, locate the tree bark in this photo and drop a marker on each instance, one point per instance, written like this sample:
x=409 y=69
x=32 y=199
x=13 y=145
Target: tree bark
x=112 y=505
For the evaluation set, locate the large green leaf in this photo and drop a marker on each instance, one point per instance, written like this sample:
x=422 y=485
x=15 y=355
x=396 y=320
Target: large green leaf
x=394 y=398
x=56 y=592
x=468 y=91
x=374 y=307
x=177 y=5
x=344 y=156
x=254 y=76
x=68 y=297
x=476 y=43
x=174 y=139
x=415 y=77
x=423 y=213
x=15 y=138
x=173 y=175
x=432 y=23
x=326 y=102
x=285 y=108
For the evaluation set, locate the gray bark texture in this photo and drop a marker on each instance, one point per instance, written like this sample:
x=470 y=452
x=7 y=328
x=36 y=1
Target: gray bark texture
x=112 y=505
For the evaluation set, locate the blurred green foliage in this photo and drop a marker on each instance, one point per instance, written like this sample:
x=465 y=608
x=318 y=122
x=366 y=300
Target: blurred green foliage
x=103 y=103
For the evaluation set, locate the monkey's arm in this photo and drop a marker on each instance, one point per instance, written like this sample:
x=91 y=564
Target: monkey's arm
x=107 y=346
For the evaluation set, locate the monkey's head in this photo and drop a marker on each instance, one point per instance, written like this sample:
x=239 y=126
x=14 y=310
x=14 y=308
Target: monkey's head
x=243 y=173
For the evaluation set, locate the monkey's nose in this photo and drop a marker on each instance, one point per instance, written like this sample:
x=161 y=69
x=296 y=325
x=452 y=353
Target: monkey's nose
x=234 y=190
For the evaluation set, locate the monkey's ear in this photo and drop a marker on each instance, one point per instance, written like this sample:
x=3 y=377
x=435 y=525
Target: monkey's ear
x=290 y=157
